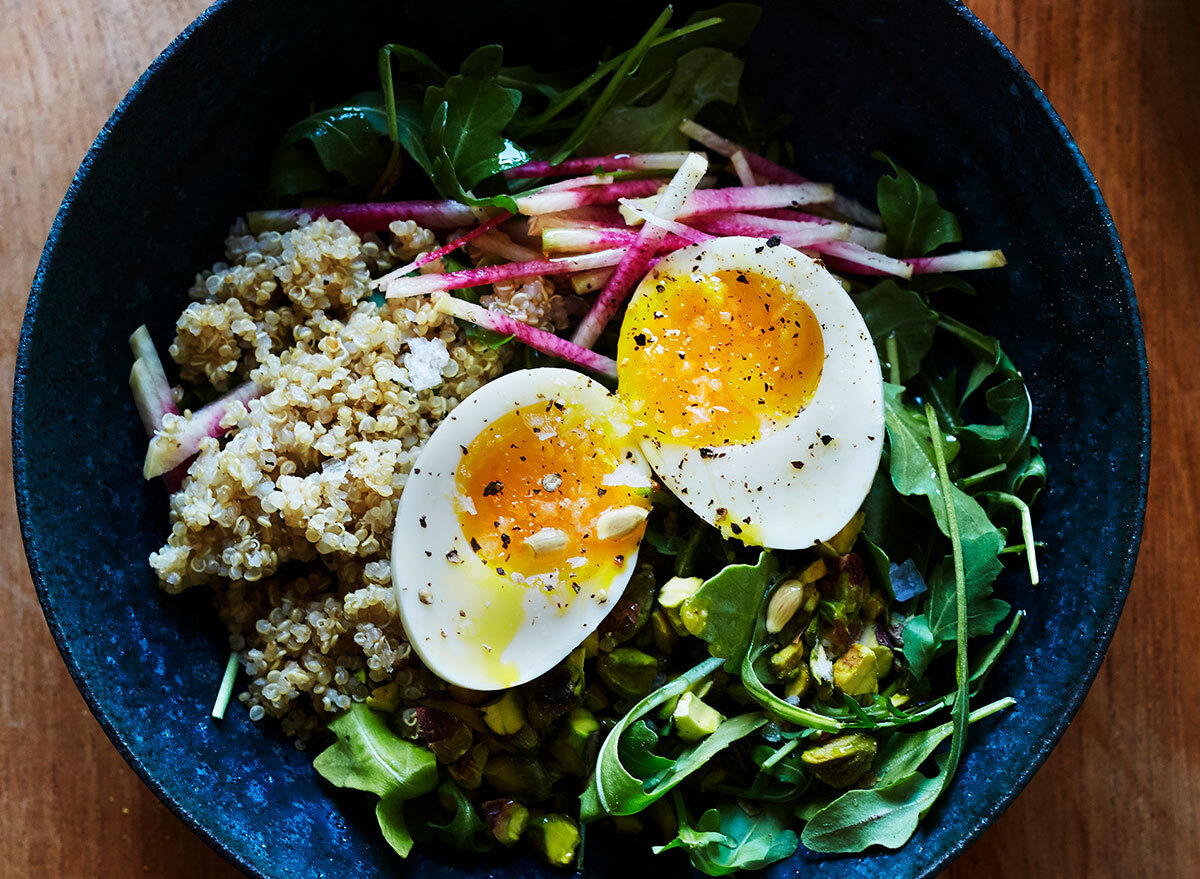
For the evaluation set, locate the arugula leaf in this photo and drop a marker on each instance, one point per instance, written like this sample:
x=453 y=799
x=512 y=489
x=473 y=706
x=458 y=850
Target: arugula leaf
x=726 y=839
x=887 y=813
x=613 y=790
x=894 y=312
x=465 y=829
x=728 y=604
x=368 y=756
x=341 y=149
x=700 y=77
x=915 y=222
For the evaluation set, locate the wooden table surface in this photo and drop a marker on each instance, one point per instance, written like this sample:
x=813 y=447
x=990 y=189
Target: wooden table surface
x=1119 y=797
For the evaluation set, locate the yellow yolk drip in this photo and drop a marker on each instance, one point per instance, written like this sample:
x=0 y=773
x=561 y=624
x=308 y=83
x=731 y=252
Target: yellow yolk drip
x=720 y=359
x=531 y=495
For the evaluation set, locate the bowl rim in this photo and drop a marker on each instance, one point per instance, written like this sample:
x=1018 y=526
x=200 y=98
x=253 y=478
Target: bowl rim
x=183 y=811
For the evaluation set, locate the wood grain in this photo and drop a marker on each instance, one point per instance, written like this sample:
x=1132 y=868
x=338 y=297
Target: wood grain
x=1118 y=798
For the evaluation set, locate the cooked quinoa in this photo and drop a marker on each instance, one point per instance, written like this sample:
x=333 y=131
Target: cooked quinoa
x=289 y=517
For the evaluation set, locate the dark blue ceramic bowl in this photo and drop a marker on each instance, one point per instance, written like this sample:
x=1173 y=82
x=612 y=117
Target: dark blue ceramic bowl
x=185 y=153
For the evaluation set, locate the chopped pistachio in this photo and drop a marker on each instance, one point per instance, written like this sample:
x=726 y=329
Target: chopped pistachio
x=856 y=671
x=447 y=736
x=506 y=818
x=694 y=719
x=799 y=684
x=842 y=760
x=504 y=715
x=628 y=672
x=787 y=660
x=468 y=771
x=665 y=636
x=385 y=698
x=521 y=777
x=555 y=837
x=672 y=595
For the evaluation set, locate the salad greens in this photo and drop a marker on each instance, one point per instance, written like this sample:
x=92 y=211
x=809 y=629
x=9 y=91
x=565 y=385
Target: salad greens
x=463 y=130
x=837 y=716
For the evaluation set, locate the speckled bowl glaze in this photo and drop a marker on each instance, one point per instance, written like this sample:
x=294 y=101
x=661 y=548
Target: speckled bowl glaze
x=185 y=152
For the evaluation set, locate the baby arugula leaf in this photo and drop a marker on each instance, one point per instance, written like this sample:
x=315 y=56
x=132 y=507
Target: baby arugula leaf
x=368 y=756
x=728 y=603
x=465 y=829
x=700 y=77
x=894 y=312
x=726 y=839
x=614 y=790
x=887 y=813
x=915 y=222
x=342 y=149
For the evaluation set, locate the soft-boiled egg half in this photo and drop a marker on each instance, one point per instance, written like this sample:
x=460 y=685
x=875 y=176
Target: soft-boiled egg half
x=519 y=527
x=754 y=386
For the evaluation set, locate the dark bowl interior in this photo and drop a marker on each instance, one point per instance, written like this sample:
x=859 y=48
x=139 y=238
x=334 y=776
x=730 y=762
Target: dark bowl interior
x=185 y=153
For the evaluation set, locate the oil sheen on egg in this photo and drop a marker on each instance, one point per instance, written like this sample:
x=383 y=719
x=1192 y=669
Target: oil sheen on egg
x=755 y=389
x=519 y=527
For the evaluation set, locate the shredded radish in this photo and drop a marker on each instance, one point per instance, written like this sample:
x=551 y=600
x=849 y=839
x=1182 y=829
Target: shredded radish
x=446 y=249
x=597 y=239
x=569 y=199
x=963 y=261
x=423 y=285
x=859 y=260
x=868 y=238
x=694 y=236
x=590 y=282
x=373 y=217
x=743 y=170
x=789 y=231
x=596 y=164
x=844 y=205
x=148 y=381
x=165 y=454
x=594 y=215
x=496 y=243
x=740 y=198
x=540 y=340
x=633 y=265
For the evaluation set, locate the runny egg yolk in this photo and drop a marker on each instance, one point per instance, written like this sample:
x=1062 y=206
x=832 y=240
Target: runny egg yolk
x=532 y=489
x=717 y=359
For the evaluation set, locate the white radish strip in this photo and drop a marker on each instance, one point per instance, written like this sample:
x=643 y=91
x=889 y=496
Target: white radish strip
x=540 y=340
x=740 y=198
x=855 y=256
x=426 y=284
x=694 y=236
x=963 y=261
x=496 y=243
x=596 y=215
x=574 y=183
x=168 y=452
x=868 y=238
x=844 y=205
x=148 y=380
x=585 y=240
x=595 y=164
x=633 y=265
x=447 y=248
x=743 y=170
x=590 y=282
x=569 y=199
x=815 y=231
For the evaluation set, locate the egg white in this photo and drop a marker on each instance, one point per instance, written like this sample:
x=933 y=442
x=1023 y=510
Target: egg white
x=467 y=606
x=802 y=483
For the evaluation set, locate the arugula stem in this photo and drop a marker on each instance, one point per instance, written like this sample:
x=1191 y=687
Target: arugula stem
x=687 y=557
x=226 y=689
x=893 y=356
x=629 y=63
x=781 y=753
x=1026 y=527
x=573 y=94
x=974 y=478
x=962 y=668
